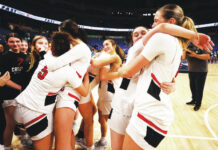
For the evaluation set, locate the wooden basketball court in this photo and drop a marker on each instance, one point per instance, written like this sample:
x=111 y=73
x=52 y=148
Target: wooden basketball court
x=191 y=130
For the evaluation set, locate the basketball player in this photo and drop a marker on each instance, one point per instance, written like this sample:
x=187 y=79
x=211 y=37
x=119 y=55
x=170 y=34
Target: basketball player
x=37 y=101
x=152 y=111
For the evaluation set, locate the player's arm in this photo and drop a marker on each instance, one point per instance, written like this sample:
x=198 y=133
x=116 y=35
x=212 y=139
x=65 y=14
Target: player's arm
x=98 y=63
x=158 y=44
x=134 y=66
x=83 y=89
x=75 y=53
x=200 y=40
x=105 y=74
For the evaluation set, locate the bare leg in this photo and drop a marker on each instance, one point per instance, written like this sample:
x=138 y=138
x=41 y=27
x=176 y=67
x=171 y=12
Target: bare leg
x=44 y=144
x=116 y=140
x=103 y=123
x=63 y=122
x=130 y=144
x=86 y=111
x=10 y=124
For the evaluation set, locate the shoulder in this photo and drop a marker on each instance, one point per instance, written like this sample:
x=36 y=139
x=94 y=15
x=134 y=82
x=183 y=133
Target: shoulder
x=82 y=45
x=162 y=40
x=163 y=36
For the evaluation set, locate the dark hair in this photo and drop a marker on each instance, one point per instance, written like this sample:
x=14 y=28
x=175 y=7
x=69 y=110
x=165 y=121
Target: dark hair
x=13 y=34
x=61 y=43
x=70 y=27
x=118 y=50
x=174 y=11
x=73 y=29
x=131 y=35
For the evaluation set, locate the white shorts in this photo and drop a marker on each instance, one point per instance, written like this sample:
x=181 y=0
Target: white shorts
x=118 y=122
x=68 y=98
x=7 y=103
x=86 y=99
x=144 y=132
x=38 y=125
x=104 y=107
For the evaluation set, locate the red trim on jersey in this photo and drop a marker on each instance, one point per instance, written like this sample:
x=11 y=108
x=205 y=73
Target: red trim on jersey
x=73 y=96
x=62 y=89
x=151 y=123
x=91 y=74
x=155 y=79
x=179 y=68
x=50 y=93
x=109 y=81
x=78 y=75
x=34 y=120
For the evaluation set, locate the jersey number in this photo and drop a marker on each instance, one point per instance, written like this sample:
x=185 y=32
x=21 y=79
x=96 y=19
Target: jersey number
x=43 y=73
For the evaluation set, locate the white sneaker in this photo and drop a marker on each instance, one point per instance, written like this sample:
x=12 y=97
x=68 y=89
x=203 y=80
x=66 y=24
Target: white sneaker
x=26 y=141
x=101 y=145
x=80 y=141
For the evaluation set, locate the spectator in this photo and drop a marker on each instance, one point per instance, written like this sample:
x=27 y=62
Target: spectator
x=24 y=47
x=13 y=62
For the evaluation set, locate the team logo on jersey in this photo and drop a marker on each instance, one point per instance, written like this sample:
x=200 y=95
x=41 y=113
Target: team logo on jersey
x=20 y=61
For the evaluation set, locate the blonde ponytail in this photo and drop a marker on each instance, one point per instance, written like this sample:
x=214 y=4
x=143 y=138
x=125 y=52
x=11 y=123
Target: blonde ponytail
x=187 y=23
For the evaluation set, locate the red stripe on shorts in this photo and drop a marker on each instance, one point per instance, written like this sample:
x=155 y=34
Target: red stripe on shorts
x=50 y=93
x=34 y=120
x=155 y=79
x=151 y=123
x=73 y=96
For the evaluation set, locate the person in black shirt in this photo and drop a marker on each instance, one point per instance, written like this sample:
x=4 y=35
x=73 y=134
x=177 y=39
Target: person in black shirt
x=198 y=68
x=3 y=79
x=11 y=61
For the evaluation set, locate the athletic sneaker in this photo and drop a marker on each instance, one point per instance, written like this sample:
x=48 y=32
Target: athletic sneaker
x=80 y=141
x=101 y=145
x=26 y=142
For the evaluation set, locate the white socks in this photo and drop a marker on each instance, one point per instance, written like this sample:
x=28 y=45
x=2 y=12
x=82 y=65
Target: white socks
x=91 y=148
x=103 y=139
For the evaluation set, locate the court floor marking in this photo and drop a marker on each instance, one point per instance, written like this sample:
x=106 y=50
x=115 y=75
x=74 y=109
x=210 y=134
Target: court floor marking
x=193 y=137
x=215 y=138
x=206 y=119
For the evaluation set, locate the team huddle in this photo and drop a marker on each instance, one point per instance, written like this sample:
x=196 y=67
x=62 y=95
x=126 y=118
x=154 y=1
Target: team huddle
x=133 y=91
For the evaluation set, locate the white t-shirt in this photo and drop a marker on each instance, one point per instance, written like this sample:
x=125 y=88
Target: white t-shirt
x=164 y=52
x=79 y=56
x=124 y=96
x=45 y=84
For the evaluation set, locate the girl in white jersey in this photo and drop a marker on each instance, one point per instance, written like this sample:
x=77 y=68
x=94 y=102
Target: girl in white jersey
x=37 y=101
x=107 y=73
x=152 y=112
x=123 y=98
x=69 y=99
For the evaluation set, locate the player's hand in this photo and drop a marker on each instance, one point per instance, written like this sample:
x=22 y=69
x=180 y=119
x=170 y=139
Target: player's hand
x=168 y=87
x=203 y=41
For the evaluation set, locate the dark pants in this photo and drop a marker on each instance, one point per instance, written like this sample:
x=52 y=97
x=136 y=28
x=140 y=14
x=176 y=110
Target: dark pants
x=197 y=81
x=2 y=123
